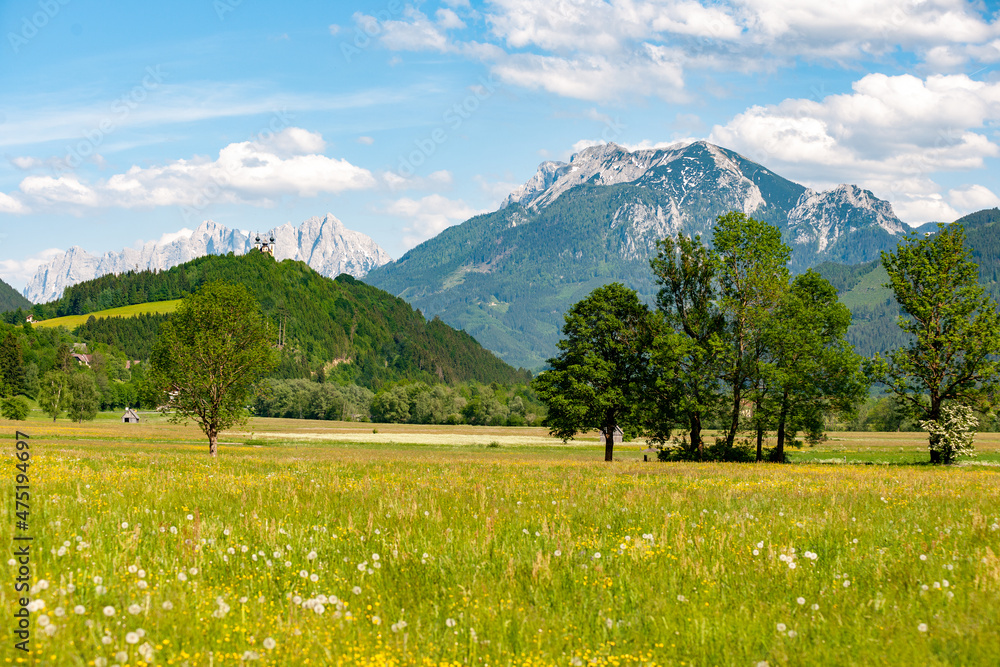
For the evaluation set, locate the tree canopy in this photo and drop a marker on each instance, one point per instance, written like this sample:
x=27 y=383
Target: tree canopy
x=953 y=327
x=598 y=376
x=211 y=358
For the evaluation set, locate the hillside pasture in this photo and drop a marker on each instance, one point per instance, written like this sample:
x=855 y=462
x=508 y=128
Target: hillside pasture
x=73 y=321
x=311 y=543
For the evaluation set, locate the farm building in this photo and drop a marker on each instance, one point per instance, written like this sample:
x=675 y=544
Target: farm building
x=130 y=417
x=618 y=436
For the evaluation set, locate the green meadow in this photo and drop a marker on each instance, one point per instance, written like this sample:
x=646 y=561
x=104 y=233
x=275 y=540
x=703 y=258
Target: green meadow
x=325 y=543
x=73 y=321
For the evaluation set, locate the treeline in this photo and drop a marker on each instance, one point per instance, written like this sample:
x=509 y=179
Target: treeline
x=733 y=342
x=38 y=364
x=412 y=403
x=134 y=336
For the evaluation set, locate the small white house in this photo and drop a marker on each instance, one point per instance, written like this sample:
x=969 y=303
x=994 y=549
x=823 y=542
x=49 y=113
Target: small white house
x=130 y=417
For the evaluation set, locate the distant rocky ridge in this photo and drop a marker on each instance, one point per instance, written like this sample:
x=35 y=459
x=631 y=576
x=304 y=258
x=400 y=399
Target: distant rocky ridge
x=324 y=243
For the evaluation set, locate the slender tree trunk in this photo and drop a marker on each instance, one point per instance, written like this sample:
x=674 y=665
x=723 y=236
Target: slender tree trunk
x=760 y=442
x=696 y=441
x=609 y=443
x=935 y=415
x=213 y=444
x=782 y=416
x=735 y=425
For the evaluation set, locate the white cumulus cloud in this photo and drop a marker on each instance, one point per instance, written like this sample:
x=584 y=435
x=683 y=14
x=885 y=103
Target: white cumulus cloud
x=254 y=172
x=429 y=216
x=892 y=134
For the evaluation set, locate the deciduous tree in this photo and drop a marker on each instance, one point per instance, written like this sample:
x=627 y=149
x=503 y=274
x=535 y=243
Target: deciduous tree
x=596 y=380
x=54 y=393
x=808 y=366
x=752 y=276
x=954 y=327
x=685 y=370
x=211 y=357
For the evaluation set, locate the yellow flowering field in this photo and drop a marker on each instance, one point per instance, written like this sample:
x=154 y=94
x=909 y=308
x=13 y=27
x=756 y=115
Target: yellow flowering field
x=308 y=547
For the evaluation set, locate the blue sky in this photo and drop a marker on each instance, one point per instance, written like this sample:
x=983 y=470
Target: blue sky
x=122 y=122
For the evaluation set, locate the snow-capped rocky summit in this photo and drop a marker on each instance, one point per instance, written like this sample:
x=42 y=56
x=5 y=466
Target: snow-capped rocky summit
x=680 y=167
x=324 y=243
x=820 y=219
x=686 y=185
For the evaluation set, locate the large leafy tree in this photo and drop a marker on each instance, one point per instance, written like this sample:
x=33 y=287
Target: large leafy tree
x=596 y=380
x=954 y=327
x=685 y=353
x=212 y=356
x=84 y=398
x=808 y=367
x=752 y=277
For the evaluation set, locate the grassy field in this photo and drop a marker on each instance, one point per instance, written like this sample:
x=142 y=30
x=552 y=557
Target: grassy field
x=73 y=321
x=327 y=543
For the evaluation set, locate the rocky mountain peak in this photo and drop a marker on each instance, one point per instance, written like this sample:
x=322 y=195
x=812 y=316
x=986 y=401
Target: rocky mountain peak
x=322 y=242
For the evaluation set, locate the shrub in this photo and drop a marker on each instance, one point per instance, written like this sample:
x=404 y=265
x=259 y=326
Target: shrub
x=15 y=408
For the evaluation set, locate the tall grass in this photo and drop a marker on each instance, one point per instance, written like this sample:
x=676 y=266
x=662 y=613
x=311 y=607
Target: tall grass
x=319 y=554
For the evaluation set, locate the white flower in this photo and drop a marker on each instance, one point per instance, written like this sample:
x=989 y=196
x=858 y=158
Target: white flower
x=79 y=610
x=106 y=640
x=134 y=609
x=558 y=552
x=375 y=556
x=376 y=620
x=190 y=517
x=597 y=554
x=815 y=607
x=109 y=611
x=124 y=524
x=132 y=638
x=193 y=571
x=847 y=582
x=132 y=569
x=269 y=643
x=312 y=555
x=800 y=600
x=100 y=661
x=315 y=577
x=792 y=633
x=781 y=627
x=922 y=627
x=43 y=620
x=450 y=622
x=356 y=590
x=121 y=656
x=168 y=605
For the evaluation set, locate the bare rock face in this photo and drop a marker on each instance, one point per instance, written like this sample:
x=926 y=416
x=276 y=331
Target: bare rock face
x=324 y=243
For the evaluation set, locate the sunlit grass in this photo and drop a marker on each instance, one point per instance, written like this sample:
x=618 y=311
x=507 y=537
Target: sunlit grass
x=73 y=321
x=528 y=553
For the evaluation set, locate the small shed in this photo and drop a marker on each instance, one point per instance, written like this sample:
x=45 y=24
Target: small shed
x=130 y=417
x=617 y=435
